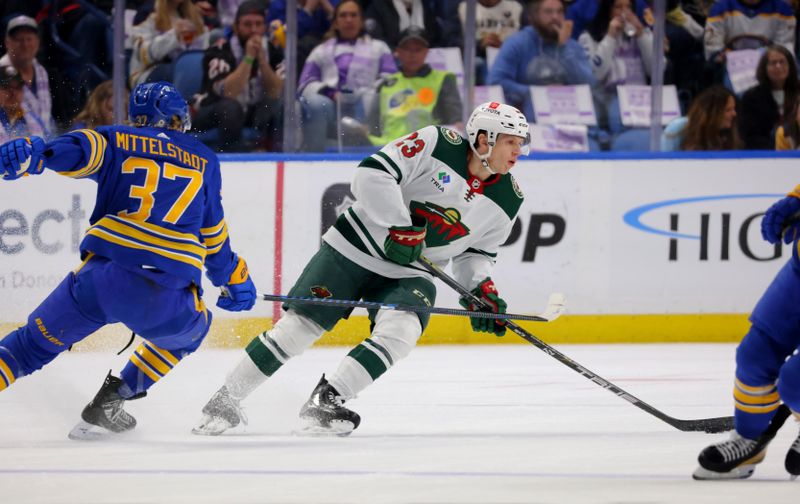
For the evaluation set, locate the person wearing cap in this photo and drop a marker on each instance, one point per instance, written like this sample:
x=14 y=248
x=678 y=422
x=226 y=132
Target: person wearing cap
x=415 y=96
x=22 y=44
x=12 y=118
x=339 y=73
x=173 y=27
x=242 y=81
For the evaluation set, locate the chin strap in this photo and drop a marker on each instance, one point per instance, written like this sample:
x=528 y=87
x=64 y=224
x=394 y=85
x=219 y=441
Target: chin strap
x=484 y=158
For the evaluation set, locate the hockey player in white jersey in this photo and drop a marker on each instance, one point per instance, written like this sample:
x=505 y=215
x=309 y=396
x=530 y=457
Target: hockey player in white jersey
x=431 y=190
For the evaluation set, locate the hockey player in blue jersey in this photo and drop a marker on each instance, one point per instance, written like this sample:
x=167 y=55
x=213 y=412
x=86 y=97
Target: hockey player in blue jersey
x=767 y=362
x=157 y=222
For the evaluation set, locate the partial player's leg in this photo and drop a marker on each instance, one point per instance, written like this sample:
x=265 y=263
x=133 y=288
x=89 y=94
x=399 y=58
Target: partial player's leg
x=172 y=320
x=264 y=355
x=328 y=274
x=56 y=324
x=393 y=336
x=789 y=390
x=760 y=357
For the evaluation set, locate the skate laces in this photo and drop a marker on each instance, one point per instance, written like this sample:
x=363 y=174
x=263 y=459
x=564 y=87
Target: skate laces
x=115 y=413
x=796 y=444
x=332 y=398
x=222 y=401
x=735 y=448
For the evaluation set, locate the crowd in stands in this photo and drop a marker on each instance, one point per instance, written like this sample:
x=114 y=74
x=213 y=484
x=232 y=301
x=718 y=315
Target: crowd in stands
x=367 y=70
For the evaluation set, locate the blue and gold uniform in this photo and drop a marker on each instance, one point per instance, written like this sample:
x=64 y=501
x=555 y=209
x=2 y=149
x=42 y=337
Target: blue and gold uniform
x=767 y=364
x=157 y=223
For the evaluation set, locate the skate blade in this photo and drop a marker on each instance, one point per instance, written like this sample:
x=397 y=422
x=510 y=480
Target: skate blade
x=85 y=431
x=211 y=426
x=338 y=428
x=741 y=472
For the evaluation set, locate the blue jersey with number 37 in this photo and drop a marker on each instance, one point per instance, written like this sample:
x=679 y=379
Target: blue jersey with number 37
x=158 y=199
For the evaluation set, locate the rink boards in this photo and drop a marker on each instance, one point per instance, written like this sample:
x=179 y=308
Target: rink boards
x=644 y=249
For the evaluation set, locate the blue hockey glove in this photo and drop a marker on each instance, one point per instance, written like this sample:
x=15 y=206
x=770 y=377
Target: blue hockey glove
x=782 y=219
x=239 y=294
x=23 y=156
x=405 y=243
x=487 y=292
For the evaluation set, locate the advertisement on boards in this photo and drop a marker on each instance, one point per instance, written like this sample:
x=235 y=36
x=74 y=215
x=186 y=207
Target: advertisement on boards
x=676 y=236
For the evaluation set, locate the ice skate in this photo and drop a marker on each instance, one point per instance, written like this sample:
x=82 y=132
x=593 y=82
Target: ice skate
x=222 y=412
x=104 y=415
x=792 y=463
x=737 y=457
x=324 y=415
x=732 y=459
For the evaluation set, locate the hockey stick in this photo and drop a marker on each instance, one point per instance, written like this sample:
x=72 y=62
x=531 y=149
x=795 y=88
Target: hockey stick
x=555 y=307
x=710 y=425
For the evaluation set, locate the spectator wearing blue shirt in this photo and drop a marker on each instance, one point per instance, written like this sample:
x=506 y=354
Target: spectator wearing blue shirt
x=539 y=55
x=313 y=22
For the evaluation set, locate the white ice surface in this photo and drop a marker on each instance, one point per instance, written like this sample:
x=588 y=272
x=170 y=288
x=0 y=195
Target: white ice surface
x=450 y=424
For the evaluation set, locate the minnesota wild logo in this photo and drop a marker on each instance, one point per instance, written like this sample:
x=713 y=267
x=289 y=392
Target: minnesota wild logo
x=451 y=136
x=320 y=291
x=444 y=224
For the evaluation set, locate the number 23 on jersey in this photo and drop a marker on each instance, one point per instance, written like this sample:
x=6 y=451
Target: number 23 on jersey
x=411 y=145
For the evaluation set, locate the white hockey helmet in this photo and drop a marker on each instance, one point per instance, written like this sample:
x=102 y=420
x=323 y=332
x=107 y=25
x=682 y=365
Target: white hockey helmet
x=494 y=118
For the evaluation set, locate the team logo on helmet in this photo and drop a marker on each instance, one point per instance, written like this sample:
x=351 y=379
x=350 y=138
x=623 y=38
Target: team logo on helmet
x=451 y=136
x=444 y=224
x=320 y=291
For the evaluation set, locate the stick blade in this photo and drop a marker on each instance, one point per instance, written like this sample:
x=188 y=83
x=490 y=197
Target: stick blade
x=556 y=304
x=708 y=425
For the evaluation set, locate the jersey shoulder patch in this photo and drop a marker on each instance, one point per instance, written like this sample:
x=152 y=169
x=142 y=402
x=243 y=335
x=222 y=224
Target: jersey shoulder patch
x=452 y=136
x=451 y=149
x=506 y=194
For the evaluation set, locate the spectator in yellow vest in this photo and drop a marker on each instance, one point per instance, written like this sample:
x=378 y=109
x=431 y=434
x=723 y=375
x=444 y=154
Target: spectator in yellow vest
x=412 y=98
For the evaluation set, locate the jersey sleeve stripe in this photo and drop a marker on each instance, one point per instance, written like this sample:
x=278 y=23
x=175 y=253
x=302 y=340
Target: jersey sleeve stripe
x=97 y=148
x=373 y=163
x=212 y=241
x=366 y=238
x=346 y=229
x=471 y=250
x=388 y=163
x=214 y=250
x=211 y=231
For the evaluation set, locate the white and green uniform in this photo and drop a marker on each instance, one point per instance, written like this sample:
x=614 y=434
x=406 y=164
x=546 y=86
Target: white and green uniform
x=426 y=174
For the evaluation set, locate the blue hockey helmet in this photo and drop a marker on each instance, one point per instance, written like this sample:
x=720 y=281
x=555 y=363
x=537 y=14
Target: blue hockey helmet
x=159 y=105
